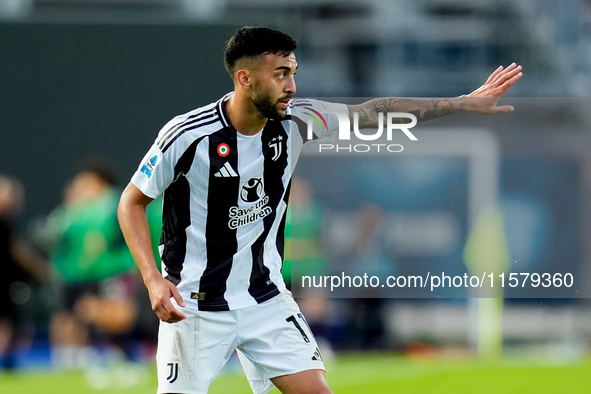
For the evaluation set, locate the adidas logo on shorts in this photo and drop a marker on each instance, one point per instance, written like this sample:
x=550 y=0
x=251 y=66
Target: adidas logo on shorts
x=317 y=356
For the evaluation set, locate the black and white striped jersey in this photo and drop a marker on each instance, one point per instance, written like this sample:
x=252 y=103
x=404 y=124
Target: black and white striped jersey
x=225 y=200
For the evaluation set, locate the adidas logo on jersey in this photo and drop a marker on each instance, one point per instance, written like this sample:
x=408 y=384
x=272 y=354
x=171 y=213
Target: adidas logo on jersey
x=226 y=172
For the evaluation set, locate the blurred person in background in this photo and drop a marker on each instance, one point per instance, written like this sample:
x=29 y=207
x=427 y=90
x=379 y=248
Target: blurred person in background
x=303 y=243
x=94 y=271
x=20 y=265
x=304 y=255
x=368 y=255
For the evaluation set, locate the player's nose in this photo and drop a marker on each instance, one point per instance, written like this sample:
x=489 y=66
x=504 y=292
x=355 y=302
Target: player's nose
x=290 y=85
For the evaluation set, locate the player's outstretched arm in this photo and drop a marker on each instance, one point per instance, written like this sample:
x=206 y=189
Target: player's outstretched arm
x=132 y=218
x=483 y=100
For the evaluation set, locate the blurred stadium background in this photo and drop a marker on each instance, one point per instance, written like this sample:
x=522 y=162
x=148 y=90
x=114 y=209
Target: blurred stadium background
x=87 y=78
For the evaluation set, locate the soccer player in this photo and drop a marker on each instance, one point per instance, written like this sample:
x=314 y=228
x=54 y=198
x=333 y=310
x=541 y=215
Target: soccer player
x=225 y=170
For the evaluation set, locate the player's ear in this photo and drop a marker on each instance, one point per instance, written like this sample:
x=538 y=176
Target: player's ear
x=244 y=78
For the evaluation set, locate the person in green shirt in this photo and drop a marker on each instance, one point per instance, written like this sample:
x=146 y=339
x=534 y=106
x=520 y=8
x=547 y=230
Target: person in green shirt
x=92 y=266
x=303 y=244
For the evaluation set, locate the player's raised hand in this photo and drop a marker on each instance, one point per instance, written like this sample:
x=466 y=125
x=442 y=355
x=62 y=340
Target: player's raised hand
x=161 y=291
x=487 y=96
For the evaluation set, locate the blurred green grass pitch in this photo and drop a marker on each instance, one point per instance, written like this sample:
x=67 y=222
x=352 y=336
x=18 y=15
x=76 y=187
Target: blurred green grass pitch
x=367 y=373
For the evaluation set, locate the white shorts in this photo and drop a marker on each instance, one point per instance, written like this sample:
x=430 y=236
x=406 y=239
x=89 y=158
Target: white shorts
x=272 y=339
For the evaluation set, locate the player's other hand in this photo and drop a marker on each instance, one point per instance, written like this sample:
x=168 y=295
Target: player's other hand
x=487 y=96
x=161 y=291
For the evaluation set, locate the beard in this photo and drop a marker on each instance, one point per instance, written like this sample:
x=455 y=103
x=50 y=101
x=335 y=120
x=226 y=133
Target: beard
x=267 y=106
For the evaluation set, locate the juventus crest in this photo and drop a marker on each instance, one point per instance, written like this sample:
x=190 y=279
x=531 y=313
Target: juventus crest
x=174 y=372
x=277 y=147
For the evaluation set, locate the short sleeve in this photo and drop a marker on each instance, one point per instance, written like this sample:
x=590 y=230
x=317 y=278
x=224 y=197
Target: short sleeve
x=153 y=175
x=321 y=118
x=157 y=169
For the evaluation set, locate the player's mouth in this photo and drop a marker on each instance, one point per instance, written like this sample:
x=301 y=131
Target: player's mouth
x=284 y=103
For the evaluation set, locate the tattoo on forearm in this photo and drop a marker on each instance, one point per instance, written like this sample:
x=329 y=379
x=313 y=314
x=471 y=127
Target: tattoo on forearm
x=380 y=105
x=364 y=118
x=422 y=108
